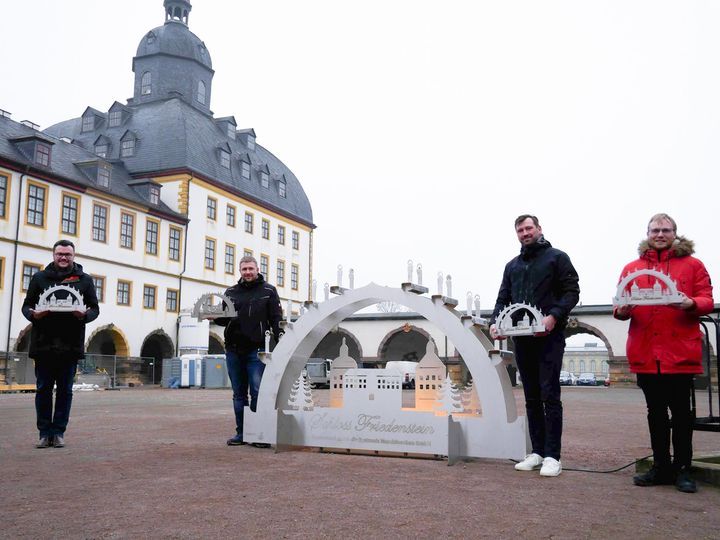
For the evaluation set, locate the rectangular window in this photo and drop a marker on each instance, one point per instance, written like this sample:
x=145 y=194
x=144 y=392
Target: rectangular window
x=295 y=240
x=211 y=208
x=4 y=184
x=282 y=189
x=149 y=292
x=247 y=252
x=266 y=229
x=264 y=179
x=225 y=159
x=42 y=154
x=151 y=237
x=115 y=118
x=154 y=194
x=101 y=150
x=103 y=177
x=245 y=170
x=174 y=244
x=29 y=270
x=281 y=235
x=36 y=205
x=171 y=300
x=248 y=222
x=99 y=227
x=88 y=123
x=280 y=273
x=264 y=263
x=68 y=224
x=99 y=282
x=294 y=275
x=123 y=293
x=210 y=254
x=127 y=148
x=127 y=230
x=230 y=215
x=229 y=259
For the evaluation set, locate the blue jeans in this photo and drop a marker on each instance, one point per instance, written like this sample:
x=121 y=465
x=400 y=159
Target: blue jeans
x=539 y=360
x=50 y=372
x=245 y=371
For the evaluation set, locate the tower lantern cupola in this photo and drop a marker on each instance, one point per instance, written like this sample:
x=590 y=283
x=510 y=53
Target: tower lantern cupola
x=177 y=10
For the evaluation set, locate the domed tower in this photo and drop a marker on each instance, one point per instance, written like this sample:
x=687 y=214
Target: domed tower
x=171 y=61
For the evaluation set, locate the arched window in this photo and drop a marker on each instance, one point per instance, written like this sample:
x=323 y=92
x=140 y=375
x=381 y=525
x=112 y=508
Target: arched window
x=146 y=84
x=201 y=92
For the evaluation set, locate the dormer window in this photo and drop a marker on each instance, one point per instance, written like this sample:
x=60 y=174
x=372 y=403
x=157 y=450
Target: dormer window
x=115 y=118
x=282 y=188
x=42 y=154
x=245 y=170
x=150 y=37
x=201 y=93
x=225 y=159
x=88 y=123
x=265 y=179
x=154 y=194
x=101 y=150
x=127 y=144
x=103 y=176
x=127 y=148
x=146 y=84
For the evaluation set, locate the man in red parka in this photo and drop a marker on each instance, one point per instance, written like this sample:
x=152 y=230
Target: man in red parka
x=664 y=349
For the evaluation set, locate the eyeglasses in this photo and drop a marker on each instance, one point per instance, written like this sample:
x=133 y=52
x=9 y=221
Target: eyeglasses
x=64 y=255
x=658 y=231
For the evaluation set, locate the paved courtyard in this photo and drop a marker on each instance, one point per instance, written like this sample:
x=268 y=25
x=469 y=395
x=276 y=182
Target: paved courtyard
x=153 y=463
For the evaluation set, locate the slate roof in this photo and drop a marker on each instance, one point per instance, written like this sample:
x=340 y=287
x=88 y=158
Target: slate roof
x=174 y=39
x=173 y=135
x=65 y=158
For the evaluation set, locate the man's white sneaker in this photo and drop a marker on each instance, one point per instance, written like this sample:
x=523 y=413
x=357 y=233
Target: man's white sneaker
x=531 y=461
x=550 y=467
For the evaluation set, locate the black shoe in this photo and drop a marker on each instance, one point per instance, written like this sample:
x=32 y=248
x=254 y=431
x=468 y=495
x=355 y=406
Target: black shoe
x=236 y=441
x=58 y=441
x=684 y=481
x=44 y=442
x=656 y=476
x=260 y=445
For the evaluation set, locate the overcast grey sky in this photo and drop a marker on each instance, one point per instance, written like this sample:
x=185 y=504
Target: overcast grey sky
x=420 y=130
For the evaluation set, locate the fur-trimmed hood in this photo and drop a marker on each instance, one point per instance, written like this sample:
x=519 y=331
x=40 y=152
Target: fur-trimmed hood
x=681 y=247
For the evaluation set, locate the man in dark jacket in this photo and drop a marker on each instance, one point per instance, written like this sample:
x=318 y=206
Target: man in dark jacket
x=57 y=340
x=258 y=310
x=664 y=349
x=544 y=277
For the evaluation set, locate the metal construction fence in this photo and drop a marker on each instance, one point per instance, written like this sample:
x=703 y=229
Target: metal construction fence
x=105 y=370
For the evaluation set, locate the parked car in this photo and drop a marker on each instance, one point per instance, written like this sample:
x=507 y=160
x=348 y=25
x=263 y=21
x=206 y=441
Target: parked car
x=567 y=378
x=587 y=379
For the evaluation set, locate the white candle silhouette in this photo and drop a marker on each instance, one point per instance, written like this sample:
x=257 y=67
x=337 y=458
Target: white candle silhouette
x=469 y=298
x=419 y=272
x=326 y=290
x=267 y=341
x=410 y=271
x=351 y=278
x=477 y=305
x=289 y=310
x=448 y=285
x=440 y=283
x=313 y=298
x=339 y=275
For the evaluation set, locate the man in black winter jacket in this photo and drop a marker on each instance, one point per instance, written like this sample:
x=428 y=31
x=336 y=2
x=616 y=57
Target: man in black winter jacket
x=544 y=277
x=57 y=340
x=258 y=310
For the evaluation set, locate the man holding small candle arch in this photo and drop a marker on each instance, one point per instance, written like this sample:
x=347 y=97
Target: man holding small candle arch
x=258 y=310
x=544 y=277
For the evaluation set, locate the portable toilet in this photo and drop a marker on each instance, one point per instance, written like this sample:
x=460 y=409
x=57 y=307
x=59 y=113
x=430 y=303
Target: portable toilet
x=191 y=370
x=215 y=373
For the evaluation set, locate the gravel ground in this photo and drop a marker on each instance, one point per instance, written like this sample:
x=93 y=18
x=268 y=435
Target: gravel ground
x=153 y=463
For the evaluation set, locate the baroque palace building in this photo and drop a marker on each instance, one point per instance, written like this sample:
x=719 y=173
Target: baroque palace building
x=161 y=199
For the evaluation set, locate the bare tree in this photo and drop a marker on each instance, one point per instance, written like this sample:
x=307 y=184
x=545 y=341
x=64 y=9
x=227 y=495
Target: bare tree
x=390 y=307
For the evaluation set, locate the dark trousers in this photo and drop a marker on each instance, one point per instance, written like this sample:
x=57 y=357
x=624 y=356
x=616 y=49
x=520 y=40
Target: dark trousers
x=48 y=373
x=663 y=392
x=245 y=372
x=539 y=360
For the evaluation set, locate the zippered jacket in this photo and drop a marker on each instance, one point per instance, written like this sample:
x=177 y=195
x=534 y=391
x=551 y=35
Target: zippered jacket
x=258 y=309
x=668 y=339
x=59 y=335
x=543 y=277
